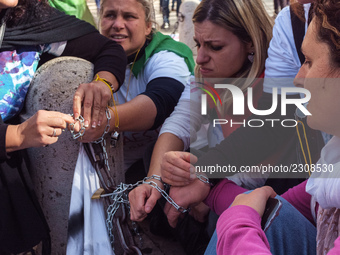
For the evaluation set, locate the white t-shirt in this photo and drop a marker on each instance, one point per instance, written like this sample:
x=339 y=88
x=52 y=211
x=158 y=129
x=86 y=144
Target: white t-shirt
x=161 y=64
x=283 y=62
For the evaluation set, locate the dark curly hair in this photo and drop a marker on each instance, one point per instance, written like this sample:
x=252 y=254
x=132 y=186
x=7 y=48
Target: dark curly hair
x=327 y=20
x=27 y=10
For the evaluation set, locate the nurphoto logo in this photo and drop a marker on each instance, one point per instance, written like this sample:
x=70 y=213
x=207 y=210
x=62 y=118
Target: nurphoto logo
x=238 y=103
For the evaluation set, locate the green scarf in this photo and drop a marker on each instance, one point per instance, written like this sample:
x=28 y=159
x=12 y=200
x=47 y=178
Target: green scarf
x=162 y=42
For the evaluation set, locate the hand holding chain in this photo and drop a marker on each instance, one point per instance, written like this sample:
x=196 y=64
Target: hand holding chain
x=81 y=132
x=147 y=180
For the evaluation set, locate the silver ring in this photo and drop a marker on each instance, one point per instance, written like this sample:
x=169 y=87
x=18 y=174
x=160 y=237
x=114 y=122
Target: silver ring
x=54 y=132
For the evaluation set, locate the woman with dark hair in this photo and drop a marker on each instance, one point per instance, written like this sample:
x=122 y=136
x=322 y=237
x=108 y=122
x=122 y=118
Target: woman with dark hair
x=315 y=203
x=28 y=30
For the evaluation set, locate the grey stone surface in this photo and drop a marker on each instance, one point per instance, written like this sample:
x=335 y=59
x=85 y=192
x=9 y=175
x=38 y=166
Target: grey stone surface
x=186 y=28
x=53 y=88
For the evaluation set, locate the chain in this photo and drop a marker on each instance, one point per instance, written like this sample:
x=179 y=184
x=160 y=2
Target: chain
x=102 y=141
x=165 y=195
x=117 y=200
x=180 y=18
x=82 y=127
x=118 y=194
x=107 y=128
x=135 y=227
x=203 y=178
x=119 y=197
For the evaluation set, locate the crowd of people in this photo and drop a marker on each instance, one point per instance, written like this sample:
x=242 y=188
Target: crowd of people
x=158 y=90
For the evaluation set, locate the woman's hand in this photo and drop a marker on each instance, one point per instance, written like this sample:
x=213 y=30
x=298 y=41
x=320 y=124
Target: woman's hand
x=200 y=212
x=186 y=196
x=41 y=129
x=94 y=97
x=177 y=168
x=93 y=134
x=257 y=199
x=142 y=200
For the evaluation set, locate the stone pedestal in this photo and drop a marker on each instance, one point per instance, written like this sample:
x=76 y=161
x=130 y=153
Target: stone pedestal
x=186 y=27
x=53 y=166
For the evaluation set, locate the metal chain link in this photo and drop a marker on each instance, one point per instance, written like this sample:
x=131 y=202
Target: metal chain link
x=82 y=127
x=135 y=227
x=117 y=198
x=166 y=196
x=102 y=141
x=203 y=178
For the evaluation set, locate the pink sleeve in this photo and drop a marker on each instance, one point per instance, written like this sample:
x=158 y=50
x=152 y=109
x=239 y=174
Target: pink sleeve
x=222 y=195
x=300 y=199
x=336 y=249
x=239 y=232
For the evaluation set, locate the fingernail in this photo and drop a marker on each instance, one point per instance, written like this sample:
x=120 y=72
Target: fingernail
x=94 y=124
x=86 y=123
x=99 y=123
x=76 y=116
x=192 y=176
x=192 y=170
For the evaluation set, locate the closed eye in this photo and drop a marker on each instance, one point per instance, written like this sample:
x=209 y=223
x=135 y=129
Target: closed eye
x=307 y=63
x=216 y=48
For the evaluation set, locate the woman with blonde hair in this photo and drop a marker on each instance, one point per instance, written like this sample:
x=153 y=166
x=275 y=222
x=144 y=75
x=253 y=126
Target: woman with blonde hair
x=249 y=22
x=232 y=39
x=238 y=146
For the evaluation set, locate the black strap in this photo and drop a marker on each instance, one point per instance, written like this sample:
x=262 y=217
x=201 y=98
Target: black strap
x=298 y=26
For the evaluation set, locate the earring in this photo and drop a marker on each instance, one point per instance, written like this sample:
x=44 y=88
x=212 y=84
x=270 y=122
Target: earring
x=251 y=57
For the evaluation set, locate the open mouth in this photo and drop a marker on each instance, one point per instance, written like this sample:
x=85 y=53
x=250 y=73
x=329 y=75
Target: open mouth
x=118 y=37
x=205 y=70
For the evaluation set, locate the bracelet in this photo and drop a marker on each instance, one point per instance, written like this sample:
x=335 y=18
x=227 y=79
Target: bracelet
x=116 y=116
x=109 y=84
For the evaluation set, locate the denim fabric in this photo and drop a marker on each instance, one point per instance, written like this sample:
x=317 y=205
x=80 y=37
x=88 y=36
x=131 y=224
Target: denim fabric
x=290 y=233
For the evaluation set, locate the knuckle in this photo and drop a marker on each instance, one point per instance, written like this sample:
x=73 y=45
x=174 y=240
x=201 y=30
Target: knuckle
x=96 y=106
x=106 y=96
x=88 y=104
x=76 y=97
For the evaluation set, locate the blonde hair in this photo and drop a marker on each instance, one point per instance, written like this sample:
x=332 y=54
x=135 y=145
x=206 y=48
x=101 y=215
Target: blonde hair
x=250 y=22
x=148 y=10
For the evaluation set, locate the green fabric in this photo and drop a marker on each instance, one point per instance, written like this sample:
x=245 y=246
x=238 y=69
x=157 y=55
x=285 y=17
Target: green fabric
x=76 y=8
x=162 y=42
x=88 y=17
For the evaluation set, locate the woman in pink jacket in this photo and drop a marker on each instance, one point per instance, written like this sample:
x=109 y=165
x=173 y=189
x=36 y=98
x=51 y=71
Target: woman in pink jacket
x=318 y=199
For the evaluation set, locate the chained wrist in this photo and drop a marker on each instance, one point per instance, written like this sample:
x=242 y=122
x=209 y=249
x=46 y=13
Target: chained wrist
x=107 y=128
x=157 y=178
x=203 y=178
